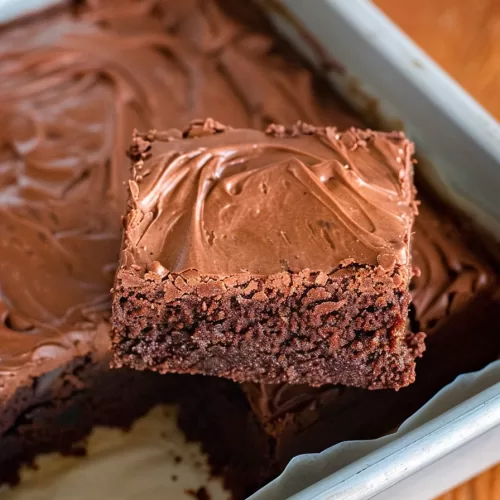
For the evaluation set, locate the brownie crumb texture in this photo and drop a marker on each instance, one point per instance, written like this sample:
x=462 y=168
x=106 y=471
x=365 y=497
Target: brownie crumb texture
x=308 y=327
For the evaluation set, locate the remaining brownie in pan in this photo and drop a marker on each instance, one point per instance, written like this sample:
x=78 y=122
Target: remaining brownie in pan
x=64 y=118
x=275 y=257
x=454 y=301
x=68 y=103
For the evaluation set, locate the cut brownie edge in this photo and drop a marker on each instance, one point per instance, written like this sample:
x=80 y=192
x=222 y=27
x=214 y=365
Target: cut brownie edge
x=60 y=408
x=277 y=256
x=348 y=327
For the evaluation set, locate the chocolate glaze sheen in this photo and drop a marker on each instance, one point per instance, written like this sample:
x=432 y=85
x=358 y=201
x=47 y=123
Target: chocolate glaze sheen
x=228 y=201
x=72 y=88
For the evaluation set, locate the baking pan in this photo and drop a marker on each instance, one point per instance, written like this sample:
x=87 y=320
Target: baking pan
x=379 y=70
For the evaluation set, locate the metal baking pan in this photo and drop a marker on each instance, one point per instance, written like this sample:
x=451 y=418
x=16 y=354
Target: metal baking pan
x=383 y=70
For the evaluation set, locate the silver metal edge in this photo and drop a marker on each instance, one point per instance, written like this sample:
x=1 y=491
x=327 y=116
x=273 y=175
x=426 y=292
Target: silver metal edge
x=390 y=464
x=12 y=9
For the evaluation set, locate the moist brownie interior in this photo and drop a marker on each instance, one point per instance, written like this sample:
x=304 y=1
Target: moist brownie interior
x=277 y=256
x=74 y=82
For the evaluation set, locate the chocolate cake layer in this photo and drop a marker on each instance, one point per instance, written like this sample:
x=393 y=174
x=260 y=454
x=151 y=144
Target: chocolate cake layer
x=74 y=82
x=269 y=257
x=454 y=299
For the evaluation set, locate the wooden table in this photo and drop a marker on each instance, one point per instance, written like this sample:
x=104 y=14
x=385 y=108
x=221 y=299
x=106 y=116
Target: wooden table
x=463 y=36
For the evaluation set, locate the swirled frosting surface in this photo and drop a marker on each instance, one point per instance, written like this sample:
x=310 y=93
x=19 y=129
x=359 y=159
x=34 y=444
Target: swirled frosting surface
x=449 y=273
x=225 y=201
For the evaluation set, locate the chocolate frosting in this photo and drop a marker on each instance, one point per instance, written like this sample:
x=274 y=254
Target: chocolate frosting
x=227 y=201
x=450 y=275
x=72 y=88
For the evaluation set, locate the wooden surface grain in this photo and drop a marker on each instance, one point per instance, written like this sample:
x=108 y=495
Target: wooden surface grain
x=486 y=486
x=463 y=36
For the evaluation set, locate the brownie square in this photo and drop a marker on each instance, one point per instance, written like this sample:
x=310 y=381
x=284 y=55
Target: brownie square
x=277 y=256
x=454 y=299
